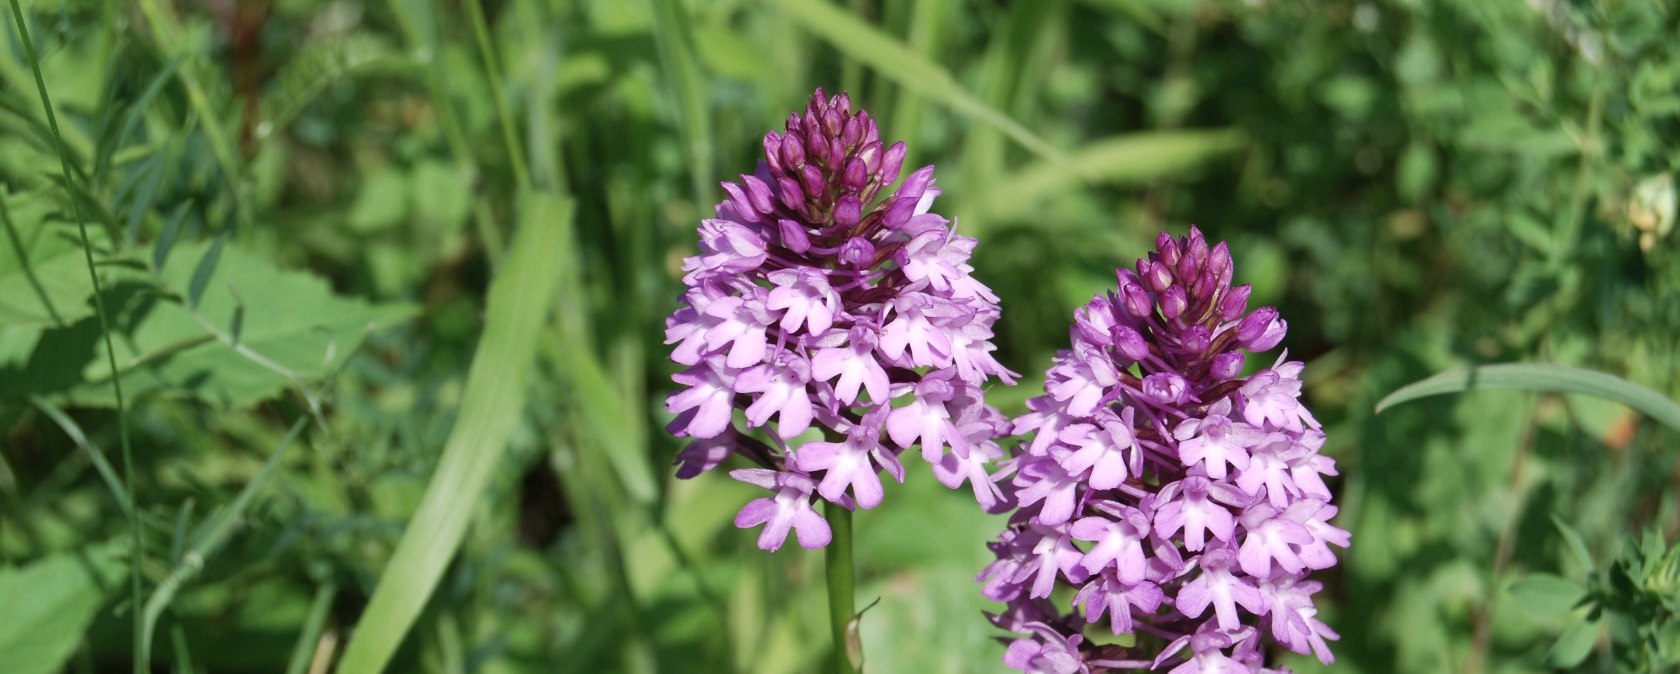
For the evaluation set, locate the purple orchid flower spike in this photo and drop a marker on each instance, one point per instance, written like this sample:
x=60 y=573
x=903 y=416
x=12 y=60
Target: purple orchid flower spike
x=1177 y=498
x=824 y=300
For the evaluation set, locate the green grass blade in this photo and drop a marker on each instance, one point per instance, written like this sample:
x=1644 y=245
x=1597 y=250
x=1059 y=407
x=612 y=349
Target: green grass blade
x=1125 y=159
x=95 y=455
x=138 y=550
x=901 y=63
x=1544 y=377
x=493 y=76
x=309 y=640
x=675 y=41
x=519 y=304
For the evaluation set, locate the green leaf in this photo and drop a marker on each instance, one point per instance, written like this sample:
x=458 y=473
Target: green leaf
x=49 y=604
x=63 y=292
x=1574 y=645
x=1547 y=593
x=382 y=201
x=1573 y=540
x=43 y=277
x=256 y=329
x=520 y=300
x=899 y=62
x=1541 y=377
x=1129 y=158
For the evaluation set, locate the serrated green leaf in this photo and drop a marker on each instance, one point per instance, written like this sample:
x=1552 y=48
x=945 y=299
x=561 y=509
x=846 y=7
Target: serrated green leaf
x=1574 y=645
x=1541 y=377
x=1547 y=593
x=48 y=604
x=292 y=330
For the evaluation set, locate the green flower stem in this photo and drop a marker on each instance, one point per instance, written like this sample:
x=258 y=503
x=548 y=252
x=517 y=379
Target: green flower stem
x=848 y=649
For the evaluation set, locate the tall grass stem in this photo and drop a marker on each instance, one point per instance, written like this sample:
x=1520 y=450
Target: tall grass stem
x=138 y=545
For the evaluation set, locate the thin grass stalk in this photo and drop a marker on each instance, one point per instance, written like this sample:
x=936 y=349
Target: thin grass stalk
x=210 y=541
x=138 y=551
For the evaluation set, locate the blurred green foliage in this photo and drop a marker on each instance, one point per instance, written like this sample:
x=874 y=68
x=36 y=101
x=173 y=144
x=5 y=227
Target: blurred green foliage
x=296 y=207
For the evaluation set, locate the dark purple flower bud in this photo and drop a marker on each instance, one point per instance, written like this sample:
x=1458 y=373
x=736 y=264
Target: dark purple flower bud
x=916 y=184
x=870 y=155
x=1136 y=301
x=1173 y=302
x=892 y=163
x=852 y=133
x=793 y=235
x=1219 y=263
x=816 y=145
x=1198 y=248
x=1261 y=330
x=1226 y=365
x=773 y=150
x=843 y=103
x=740 y=203
x=831 y=124
x=758 y=194
x=1187 y=267
x=1130 y=343
x=788 y=192
x=792 y=152
x=1203 y=288
x=848 y=211
x=898 y=212
x=811 y=180
x=1167 y=249
x=836 y=154
x=1234 y=303
x=1158 y=277
x=819 y=99
x=856 y=175
x=857 y=252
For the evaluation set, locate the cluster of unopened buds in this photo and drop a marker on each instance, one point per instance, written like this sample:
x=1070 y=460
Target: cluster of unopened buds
x=820 y=297
x=1169 y=493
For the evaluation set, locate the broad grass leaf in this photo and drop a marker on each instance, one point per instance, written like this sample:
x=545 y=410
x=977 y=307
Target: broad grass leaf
x=1126 y=159
x=49 y=603
x=901 y=63
x=1541 y=377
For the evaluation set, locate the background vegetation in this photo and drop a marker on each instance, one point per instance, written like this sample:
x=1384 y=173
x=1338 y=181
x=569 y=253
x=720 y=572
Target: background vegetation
x=298 y=208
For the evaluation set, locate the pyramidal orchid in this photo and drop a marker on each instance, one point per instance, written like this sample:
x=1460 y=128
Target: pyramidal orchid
x=1174 y=498
x=823 y=298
